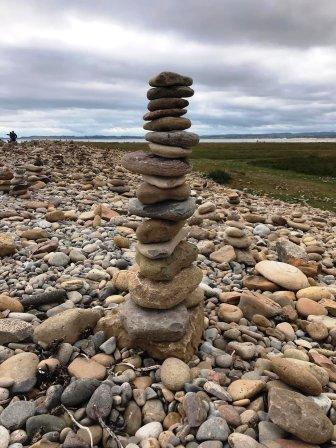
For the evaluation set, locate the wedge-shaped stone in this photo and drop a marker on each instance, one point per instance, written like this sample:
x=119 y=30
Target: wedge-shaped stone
x=154 y=325
x=164 y=295
x=149 y=194
x=165 y=269
x=66 y=326
x=161 y=250
x=158 y=230
x=155 y=114
x=299 y=415
x=253 y=303
x=169 y=210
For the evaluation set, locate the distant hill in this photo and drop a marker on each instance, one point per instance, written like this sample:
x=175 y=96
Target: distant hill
x=277 y=135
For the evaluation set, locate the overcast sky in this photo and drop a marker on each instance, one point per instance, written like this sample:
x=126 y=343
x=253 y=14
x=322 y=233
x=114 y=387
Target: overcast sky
x=80 y=67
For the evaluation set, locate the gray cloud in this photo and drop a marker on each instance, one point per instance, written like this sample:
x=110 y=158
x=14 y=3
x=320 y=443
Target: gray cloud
x=81 y=67
x=294 y=23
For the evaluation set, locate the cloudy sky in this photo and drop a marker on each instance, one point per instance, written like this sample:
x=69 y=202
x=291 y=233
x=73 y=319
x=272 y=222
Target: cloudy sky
x=80 y=67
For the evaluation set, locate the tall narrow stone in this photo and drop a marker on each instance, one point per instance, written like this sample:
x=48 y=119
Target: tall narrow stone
x=164 y=314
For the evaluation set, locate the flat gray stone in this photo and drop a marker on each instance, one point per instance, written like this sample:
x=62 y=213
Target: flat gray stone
x=289 y=251
x=44 y=423
x=14 y=330
x=53 y=296
x=79 y=392
x=21 y=368
x=169 y=210
x=16 y=414
x=100 y=403
x=157 y=325
x=214 y=428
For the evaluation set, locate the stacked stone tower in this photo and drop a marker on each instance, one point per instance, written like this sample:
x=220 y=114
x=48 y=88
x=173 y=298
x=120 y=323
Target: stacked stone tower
x=163 y=313
x=19 y=184
x=6 y=176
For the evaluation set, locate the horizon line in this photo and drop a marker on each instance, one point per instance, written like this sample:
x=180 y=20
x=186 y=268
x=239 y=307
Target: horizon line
x=227 y=135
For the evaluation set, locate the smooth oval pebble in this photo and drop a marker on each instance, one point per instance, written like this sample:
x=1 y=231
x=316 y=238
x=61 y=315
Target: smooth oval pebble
x=182 y=139
x=152 y=429
x=168 y=124
x=169 y=92
x=283 y=274
x=149 y=164
x=167 y=103
x=170 y=152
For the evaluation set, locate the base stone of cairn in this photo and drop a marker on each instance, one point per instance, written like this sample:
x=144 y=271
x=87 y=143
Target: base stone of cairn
x=163 y=313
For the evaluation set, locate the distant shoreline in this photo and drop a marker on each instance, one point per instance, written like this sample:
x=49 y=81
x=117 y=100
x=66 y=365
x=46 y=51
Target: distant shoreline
x=204 y=139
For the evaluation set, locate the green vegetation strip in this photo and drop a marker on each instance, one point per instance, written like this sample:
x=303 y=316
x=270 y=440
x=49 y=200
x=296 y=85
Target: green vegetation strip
x=293 y=172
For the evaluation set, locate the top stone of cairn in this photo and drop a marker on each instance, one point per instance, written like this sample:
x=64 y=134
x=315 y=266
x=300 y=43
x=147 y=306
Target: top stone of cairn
x=167 y=79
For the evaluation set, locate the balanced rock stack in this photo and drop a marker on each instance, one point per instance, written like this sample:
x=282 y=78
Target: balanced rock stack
x=36 y=173
x=164 y=311
x=6 y=176
x=19 y=184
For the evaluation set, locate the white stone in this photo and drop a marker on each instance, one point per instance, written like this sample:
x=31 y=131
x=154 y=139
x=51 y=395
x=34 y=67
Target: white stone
x=329 y=322
x=282 y=274
x=153 y=429
x=4 y=437
x=164 y=182
x=323 y=401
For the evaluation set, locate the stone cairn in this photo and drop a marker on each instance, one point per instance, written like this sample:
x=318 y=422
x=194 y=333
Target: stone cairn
x=163 y=313
x=19 y=184
x=6 y=176
x=36 y=172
